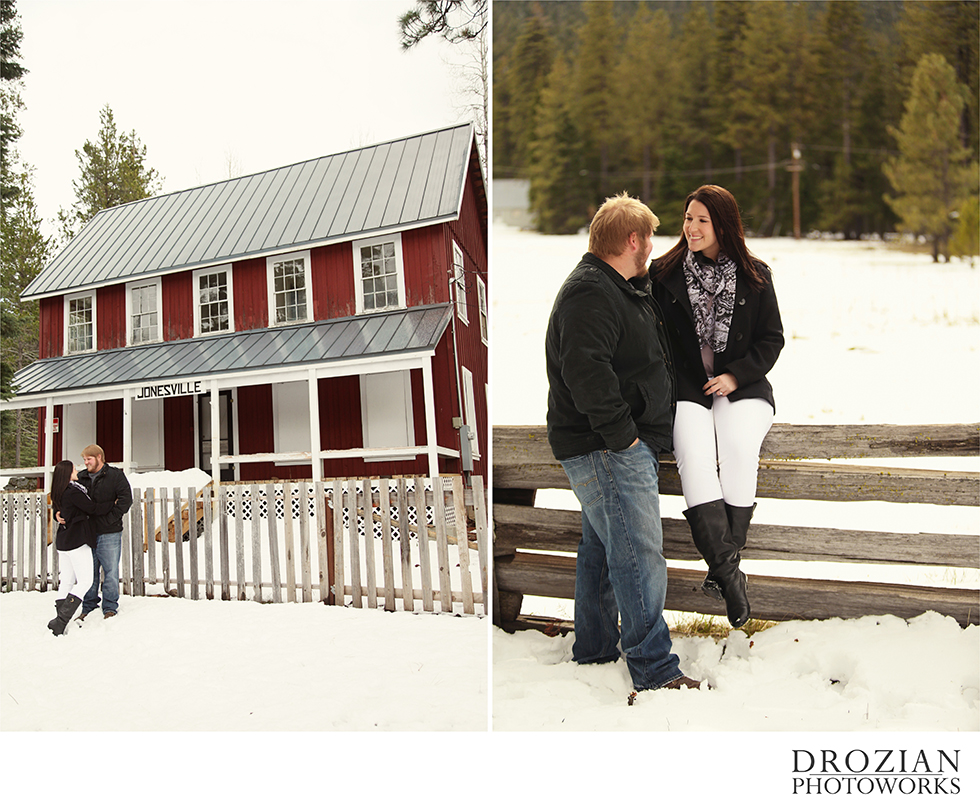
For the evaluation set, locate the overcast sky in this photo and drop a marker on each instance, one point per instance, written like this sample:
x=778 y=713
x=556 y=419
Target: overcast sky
x=219 y=88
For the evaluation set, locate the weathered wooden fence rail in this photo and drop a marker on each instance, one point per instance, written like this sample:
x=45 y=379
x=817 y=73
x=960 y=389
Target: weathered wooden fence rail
x=534 y=548
x=408 y=544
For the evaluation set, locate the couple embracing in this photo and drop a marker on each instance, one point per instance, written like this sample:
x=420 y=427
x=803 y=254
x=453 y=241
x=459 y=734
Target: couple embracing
x=643 y=359
x=88 y=507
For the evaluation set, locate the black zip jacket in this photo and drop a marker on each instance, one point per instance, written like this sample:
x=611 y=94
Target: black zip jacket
x=609 y=366
x=108 y=485
x=76 y=508
x=755 y=338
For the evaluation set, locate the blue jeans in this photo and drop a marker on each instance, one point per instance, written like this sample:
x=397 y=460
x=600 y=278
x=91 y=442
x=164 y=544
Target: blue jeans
x=107 y=553
x=621 y=564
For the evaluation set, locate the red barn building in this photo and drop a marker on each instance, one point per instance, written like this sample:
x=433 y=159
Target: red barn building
x=327 y=318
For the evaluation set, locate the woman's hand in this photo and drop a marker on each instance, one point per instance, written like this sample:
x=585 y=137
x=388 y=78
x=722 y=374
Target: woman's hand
x=721 y=386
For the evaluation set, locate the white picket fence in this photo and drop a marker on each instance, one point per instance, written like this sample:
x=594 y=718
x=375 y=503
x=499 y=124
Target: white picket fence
x=414 y=544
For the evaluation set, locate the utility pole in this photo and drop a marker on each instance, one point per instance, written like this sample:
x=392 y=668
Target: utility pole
x=795 y=166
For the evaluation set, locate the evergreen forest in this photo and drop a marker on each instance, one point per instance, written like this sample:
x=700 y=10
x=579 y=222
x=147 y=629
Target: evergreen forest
x=849 y=101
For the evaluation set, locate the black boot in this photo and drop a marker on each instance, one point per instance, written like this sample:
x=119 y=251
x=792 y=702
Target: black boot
x=739 y=518
x=713 y=539
x=59 y=624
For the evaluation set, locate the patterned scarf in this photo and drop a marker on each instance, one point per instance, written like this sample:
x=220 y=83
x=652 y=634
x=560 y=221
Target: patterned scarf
x=711 y=288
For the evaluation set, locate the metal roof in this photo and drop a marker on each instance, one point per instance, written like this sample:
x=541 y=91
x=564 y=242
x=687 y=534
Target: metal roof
x=391 y=186
x=407 y=330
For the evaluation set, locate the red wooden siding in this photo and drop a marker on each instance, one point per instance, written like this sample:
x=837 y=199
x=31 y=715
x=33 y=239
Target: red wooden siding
x=332 y=276
x=251 y=295
x=110 y=317
x=178 y=431
x=426 y=266
x=255 y=430
x=109 y=428
x=177 y=304
x=52 y=326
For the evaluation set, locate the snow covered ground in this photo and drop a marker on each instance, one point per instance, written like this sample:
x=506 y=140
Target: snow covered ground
x=874 y=335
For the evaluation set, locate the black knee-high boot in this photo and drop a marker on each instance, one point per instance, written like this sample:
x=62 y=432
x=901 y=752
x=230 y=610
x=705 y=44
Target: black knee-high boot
x=713 y=539
x=739 y=518
x=67 y=608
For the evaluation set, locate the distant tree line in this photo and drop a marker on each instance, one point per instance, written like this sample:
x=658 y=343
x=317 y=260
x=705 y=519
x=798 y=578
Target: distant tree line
x=656 y=98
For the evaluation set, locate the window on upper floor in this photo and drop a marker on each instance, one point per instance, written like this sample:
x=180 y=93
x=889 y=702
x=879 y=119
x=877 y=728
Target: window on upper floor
x=290 y=297
x=143 y=311
x=213 y=306
x=459 y=282
x=379 y=275
x=481 y=291
x=80 y=323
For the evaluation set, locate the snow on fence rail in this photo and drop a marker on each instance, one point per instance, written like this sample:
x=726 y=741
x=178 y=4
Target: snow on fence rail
x=409 y=544
x=534 y=547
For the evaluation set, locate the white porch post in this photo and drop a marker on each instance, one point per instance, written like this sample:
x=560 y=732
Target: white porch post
x=432 y=442
x=315 y=425
x=127 y=432
x=48 y=442
x=215 y=432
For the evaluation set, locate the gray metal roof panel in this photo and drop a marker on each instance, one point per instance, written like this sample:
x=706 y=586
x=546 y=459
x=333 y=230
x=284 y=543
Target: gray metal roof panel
x=373 y=334
x=403 y=183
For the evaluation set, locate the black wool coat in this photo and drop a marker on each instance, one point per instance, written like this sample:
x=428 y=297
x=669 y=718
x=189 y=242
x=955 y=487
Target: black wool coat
x=108 y=485
x=77 y=508
x=755 y=338
x=610 y=374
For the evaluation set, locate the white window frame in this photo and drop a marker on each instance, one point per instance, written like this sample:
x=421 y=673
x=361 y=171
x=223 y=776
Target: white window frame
x=291 y=420
x=401 y=401
x=95 y=320
x=469 y=409
x=481 y=294
x=132 y=285
x=459 y=282
x=270 y=263
x=396 y=238
x=209 y=271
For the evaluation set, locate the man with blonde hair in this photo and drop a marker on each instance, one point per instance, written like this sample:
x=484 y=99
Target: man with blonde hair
x=105 y=483
x=611 y=401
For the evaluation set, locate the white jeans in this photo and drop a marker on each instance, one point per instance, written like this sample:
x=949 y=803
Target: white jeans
x=77 y=571
x=717 y=449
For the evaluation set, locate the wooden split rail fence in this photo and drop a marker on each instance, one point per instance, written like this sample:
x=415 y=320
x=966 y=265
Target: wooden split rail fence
x=409 y=544
x=534 y=547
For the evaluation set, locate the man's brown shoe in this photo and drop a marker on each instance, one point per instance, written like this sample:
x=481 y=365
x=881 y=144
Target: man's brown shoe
x=110 y=613
x=682 y=682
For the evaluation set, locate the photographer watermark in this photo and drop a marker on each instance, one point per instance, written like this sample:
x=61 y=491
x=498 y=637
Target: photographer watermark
x=880 y=771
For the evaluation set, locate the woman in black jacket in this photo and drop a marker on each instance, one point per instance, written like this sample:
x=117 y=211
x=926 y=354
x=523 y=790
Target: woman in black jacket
x=726 y=333
x=75 y=540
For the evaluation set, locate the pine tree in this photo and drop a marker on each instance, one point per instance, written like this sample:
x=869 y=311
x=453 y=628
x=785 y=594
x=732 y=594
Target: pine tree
x=935 y=173
x=25 y=252
x=559 y=193
x=113 y=171
x=642 y=82
x=528 y=68
x=591 y=86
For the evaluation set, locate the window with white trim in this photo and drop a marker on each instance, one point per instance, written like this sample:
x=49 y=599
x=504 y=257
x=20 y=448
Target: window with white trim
x=213 y=303
x=379 y=274
x=469 y=409
x=143 y=312
x=386 y=412
x=459 y=279
x=80 y=323
x=290 y=298
x=481 y=292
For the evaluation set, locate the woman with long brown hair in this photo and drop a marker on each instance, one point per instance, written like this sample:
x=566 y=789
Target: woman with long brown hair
x=74 y=541
x=726 y=333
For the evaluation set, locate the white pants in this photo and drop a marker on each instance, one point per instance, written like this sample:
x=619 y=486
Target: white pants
x=717 y=449
x=77 y=569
